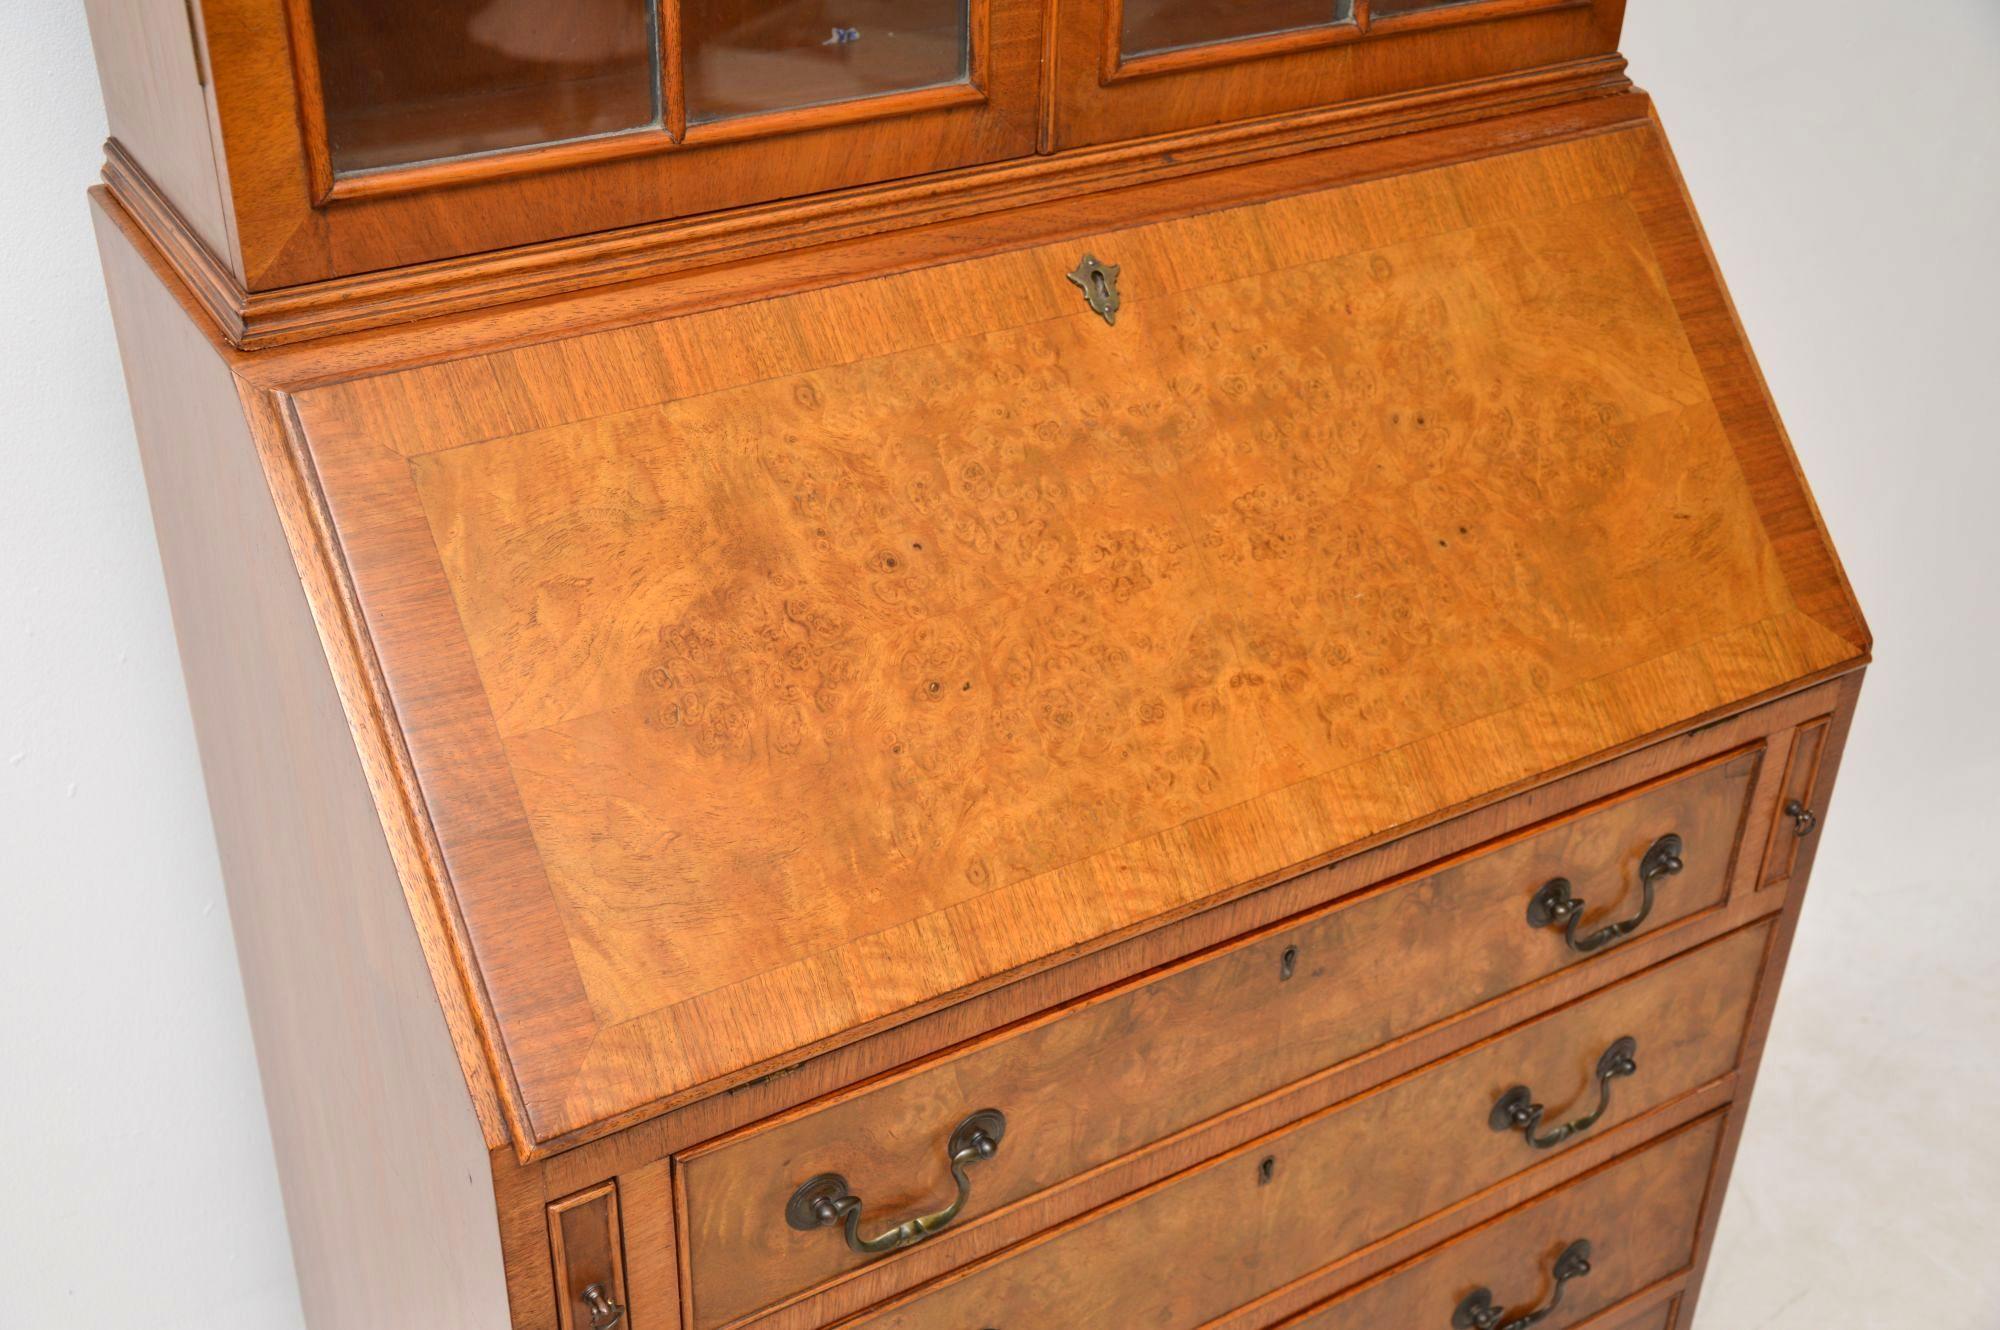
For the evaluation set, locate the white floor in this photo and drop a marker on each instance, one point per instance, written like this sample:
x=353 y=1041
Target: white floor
x=1867 y=1193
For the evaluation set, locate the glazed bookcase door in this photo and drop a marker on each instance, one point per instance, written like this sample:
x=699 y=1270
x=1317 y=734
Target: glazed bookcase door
x=455 y=127
x=404 y=85
x=1126 y=68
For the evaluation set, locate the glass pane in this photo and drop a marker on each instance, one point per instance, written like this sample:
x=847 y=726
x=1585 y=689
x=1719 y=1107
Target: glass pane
x=416 y=80
x=747 y=56
x=1167 y=25
x=1390 y=8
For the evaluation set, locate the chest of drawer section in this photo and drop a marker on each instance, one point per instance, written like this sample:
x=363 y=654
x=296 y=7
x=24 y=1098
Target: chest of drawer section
x=1602 y=1242
x=842 y=1186
x=1192 y=1249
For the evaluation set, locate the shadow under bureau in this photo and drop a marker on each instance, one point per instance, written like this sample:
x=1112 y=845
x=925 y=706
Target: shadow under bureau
x=1147 y=675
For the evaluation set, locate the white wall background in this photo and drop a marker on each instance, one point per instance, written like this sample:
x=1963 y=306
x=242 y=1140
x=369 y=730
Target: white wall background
x=1847 y=159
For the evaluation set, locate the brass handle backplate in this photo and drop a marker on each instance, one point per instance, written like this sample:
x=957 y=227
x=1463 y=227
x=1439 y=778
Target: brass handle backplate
x=826 y=1200
x=1517 y=1110
x=604 y=1313
x=1477 y=1312
x=1556 y=903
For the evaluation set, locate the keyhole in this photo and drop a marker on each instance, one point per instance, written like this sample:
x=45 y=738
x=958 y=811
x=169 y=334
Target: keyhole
x=1103 y=287
x=1288 y=964
x=1267 y=1169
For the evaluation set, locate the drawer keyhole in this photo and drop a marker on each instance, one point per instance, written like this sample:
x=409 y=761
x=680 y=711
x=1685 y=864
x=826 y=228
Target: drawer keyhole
x=1288 y=964
x=1267 y=1170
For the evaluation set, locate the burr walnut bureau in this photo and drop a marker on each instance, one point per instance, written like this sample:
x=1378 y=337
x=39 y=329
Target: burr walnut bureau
x=973 y=664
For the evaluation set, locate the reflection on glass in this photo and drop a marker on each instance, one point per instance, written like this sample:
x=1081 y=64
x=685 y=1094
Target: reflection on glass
x=1389 y=8
x=747 y=56
x=1167 y=25
x=417 y=80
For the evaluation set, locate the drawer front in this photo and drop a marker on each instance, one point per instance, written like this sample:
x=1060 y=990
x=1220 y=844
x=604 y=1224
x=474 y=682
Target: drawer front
x=1639 y=1215
x=1236 y=1228
x=1657 y=1318
x=1109 y=1075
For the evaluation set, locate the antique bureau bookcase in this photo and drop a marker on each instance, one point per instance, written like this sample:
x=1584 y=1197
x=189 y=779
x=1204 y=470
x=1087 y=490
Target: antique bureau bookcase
x=973 y=664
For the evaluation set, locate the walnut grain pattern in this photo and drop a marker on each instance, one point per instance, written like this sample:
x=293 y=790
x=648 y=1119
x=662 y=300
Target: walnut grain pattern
x=791 y=666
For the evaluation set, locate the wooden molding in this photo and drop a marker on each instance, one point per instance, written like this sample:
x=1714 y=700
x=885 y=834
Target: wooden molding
x=210 y=280
x=252 y=320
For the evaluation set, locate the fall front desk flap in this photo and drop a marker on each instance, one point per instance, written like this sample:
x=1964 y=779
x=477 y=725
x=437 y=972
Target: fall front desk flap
x=774 y=671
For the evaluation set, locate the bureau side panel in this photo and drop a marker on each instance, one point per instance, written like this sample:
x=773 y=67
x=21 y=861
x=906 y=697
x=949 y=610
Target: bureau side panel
x=156 y=103
x=388 y=1188
x=1832 y=745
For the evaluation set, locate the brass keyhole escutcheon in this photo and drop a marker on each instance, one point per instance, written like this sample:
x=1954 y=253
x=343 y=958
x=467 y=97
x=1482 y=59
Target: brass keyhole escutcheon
x=1099 y=284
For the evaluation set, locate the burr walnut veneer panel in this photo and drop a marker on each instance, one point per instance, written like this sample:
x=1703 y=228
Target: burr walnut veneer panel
x=777 y=672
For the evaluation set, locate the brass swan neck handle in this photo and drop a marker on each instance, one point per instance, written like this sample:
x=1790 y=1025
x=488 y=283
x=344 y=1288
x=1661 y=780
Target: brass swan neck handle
x=1478 y=1311
x=1517 y=1110
x=826 y=1201
x=1557 y=904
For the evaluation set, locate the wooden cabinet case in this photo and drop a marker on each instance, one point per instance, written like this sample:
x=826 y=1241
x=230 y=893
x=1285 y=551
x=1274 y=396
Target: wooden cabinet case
x=1137 y=663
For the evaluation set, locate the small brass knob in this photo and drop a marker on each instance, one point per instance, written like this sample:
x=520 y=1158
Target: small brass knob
x=1803 y=818
x=604 y=1313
